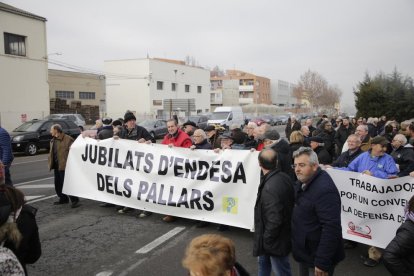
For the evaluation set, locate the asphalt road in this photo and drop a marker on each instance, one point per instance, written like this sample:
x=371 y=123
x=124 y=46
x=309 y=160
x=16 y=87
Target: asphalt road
x=92 y=240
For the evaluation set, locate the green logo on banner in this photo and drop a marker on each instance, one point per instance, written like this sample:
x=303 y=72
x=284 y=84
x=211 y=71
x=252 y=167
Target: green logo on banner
x=230 y=205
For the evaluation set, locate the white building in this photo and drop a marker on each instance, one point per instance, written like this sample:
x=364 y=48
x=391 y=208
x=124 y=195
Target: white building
x=282 y=93
x=156 y=87
x=24 y=89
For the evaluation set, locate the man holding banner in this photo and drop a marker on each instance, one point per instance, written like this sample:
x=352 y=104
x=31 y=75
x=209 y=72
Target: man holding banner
x=377 y=163
x=316 y=220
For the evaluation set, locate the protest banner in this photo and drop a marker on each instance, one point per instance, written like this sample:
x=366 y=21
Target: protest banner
x=200 y=184
x=372 y=208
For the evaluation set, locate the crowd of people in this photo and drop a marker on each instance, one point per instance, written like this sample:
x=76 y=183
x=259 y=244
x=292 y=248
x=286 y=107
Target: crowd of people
x=297 y=207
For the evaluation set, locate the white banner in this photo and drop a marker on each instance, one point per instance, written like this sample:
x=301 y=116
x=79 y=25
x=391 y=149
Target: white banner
x=372 y=208
x=199 y=184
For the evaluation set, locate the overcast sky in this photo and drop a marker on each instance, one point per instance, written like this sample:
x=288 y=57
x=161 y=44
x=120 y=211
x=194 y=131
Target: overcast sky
x=277 y=39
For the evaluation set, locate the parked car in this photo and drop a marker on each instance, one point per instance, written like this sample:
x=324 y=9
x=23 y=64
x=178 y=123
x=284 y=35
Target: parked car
x=199 y=120
x=35 y=134
x=283 y=119
x=77 y=118
x=268 y=119
x=157 y=128
x=257 y=120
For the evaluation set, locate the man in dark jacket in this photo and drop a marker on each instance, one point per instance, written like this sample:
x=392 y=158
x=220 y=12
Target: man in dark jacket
x=328 y=136
x=292 y=126
x=403 y=155
x=107 y=131
x=316 y=219
x=6 y=155
x=353 y=151
x=316 y=144
x=132 y=131
x=342 y=134
x=272 y=216
x=271 y=139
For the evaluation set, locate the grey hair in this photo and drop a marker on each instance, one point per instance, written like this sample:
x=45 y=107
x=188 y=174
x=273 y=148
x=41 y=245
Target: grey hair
x=201 y=132
x=58 y=128
x=252 y=124
x=365 y=127
x=354 y=136
x=313 y=158
x=401 y=138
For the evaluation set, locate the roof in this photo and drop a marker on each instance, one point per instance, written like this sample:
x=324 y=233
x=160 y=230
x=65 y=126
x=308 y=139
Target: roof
x=11 y=9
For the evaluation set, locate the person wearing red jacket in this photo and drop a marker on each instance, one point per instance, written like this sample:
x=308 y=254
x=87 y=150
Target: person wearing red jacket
x=175 y=138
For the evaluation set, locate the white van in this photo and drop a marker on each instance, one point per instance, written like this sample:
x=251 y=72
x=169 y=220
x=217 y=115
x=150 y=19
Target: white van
x=227 y=116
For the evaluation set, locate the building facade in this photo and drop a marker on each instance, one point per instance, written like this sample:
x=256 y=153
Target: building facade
x=82 y=93
x=153 y=88
x=253 y=89
x=24 y=90
x=224 y=93
x=282 y=94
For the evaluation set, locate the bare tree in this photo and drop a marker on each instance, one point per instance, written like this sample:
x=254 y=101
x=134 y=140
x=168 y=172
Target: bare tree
x=315 y=88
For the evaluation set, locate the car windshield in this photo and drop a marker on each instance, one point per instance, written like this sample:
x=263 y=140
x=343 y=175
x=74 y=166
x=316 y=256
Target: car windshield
x=219 y=115
x=29 y=126
x=147 y=123
x=193 y=119
x=52 y=116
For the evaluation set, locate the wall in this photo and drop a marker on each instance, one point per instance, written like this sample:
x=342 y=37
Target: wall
x=24 y=89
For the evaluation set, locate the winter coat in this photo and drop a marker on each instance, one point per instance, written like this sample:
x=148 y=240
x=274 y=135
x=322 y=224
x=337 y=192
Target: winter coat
x=179 y=139
x=381 y=167
x=203 y=145
x=316 y=223
x=30 y=249
x=404 y=157
x=346 y=158
x=328 y=141
x=372 y=130
x=323 y=155
x=399 y=255
x=63 y=143
x=136 y=134
x=284 y=157
x=106 y=133
x=250 y=142
x=290 y=128
x=6 y=155
x=341 y=136
x=215 y=141
x=272 y=215
x=295 y=146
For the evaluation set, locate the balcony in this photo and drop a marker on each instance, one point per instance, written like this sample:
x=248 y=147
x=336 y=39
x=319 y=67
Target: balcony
x=246 y=88
x=244 y=101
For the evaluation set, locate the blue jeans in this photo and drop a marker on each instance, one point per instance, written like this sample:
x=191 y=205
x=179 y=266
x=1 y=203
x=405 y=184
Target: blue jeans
x=279 y=265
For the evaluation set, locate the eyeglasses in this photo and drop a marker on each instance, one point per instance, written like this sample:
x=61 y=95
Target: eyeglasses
x=300 y=165
x=197 y=136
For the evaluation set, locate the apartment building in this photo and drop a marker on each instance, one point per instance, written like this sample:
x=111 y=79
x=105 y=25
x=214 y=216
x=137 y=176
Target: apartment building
x=253 y=89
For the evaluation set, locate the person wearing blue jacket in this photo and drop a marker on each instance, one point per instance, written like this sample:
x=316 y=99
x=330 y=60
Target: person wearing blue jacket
x=316 y=220
x=375 y=162
x=6 y=154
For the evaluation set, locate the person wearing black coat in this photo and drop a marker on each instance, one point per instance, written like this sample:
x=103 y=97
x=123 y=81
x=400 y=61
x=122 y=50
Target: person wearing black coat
x=200 y=140
x=316 y=143
x=272 y=216
x=403 y=155
x=291 y=126
x=29 y=249
x=316 y=220
x=342 y=134
x=328 y=136
x=399 y=254
x=348 y=156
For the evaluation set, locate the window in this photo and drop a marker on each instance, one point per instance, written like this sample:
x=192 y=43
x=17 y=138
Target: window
x=14 y=44
x=173 y=86
x=65 y=94
x=160 y=85
x=187 y=88
x=87 y=95
x=157 y=102
x=198 y=89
